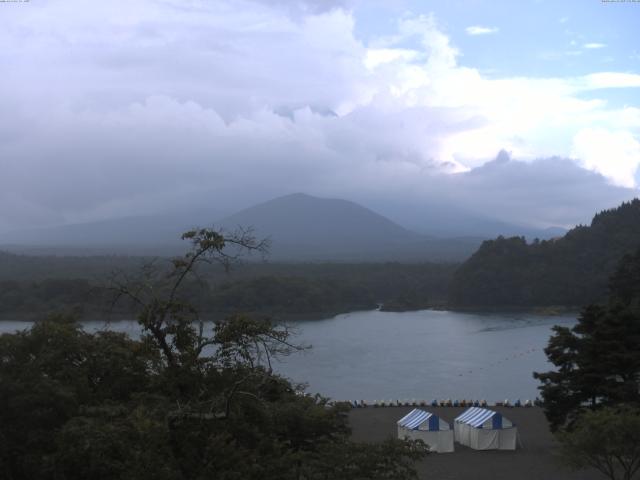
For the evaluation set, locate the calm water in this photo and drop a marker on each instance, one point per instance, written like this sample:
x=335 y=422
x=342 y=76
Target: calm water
x=412 y=355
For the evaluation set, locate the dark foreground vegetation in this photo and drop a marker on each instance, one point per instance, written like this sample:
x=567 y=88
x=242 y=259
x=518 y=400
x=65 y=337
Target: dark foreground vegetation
x=180 y=403
x=572 y=270
x=592 y=397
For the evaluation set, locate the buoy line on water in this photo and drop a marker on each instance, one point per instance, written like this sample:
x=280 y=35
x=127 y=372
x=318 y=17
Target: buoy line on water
x=437 y=403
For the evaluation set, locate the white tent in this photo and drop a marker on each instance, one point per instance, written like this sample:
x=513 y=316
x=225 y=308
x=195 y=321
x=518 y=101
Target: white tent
x=483 y=429
x=425 y=426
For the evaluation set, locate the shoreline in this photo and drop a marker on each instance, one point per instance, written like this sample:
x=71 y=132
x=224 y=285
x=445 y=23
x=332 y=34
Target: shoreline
x=553 y=310
x=312 y=316
x=208 y=317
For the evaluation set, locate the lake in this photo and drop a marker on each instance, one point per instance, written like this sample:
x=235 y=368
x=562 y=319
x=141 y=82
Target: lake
x=427 y=354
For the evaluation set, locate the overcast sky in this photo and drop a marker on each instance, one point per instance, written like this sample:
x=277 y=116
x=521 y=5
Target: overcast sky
x=120 y=108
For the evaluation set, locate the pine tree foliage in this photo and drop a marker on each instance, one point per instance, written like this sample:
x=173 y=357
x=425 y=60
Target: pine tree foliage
x=597 y=362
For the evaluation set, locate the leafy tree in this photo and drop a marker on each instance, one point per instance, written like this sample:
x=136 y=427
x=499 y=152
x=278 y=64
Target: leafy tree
x=607 y=440
x=49 y=374
x=180 y=403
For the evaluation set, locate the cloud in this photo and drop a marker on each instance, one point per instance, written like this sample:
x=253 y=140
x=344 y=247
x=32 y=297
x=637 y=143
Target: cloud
x=376 y=57
x=480 y=30
x=552 y=191
x=298 y=7
x=614 y=154
x=544 y=192
x=593 y=46
x=611 y=80
x=183 y=103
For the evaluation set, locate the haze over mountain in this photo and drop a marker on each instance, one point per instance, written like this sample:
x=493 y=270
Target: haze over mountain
x=301 y=228
x=300 y=219
x=140 y=235
x=445 y=221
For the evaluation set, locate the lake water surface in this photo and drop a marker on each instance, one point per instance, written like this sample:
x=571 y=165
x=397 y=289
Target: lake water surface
x=427 y=354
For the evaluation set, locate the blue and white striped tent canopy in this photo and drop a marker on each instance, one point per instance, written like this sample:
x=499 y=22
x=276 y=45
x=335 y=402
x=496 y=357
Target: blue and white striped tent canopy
x=477 y=417
x=419 y=419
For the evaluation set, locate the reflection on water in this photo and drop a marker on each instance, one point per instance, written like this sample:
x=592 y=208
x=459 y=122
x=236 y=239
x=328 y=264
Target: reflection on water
x=411 y=355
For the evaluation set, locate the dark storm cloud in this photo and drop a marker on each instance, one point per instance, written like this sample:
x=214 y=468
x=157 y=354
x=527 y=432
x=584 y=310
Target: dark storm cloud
x=541 y=193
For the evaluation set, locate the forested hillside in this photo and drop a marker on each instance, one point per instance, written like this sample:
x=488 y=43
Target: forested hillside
x=572 y=270
x=300 y=227
x=30 y=287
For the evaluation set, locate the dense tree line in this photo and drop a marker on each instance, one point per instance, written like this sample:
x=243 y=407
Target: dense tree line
x=572 y=270
x=275 y=289
x=290 y=295
x=34 y=268
x=28 y=300
x=180 y=403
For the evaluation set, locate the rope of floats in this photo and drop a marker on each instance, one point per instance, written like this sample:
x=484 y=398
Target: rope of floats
x=439 y=403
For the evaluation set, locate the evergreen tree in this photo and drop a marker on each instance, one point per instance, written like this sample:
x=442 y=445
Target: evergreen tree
x=598 y=360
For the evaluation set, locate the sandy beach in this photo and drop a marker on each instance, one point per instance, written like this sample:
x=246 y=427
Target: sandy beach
x=533 y=460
